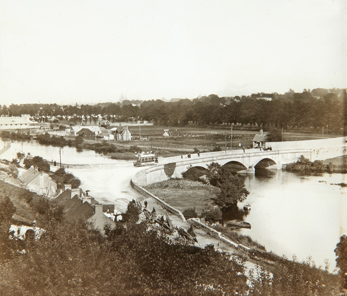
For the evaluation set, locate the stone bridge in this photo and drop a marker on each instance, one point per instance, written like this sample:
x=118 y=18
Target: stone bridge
x=282 y=153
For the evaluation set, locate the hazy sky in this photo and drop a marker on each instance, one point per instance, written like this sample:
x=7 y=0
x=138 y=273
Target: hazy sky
x=70 y=51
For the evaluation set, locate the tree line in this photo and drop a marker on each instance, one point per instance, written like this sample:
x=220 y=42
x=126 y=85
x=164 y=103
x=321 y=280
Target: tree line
x=319 y=108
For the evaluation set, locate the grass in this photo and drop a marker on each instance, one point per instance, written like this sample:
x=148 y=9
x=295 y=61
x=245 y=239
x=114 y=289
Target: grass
x=190 y=194
x=19 y=197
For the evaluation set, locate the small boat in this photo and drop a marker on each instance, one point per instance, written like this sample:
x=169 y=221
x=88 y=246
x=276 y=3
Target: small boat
x=238 y=223
x=247 y=207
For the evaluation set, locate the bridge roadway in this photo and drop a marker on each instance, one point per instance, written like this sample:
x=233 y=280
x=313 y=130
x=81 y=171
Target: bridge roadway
x=282 y=153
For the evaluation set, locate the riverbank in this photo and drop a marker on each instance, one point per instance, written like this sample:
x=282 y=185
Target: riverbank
x=267 y=263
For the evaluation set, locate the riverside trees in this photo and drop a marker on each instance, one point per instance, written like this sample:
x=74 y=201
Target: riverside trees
x=232 y=186
x=317 y=109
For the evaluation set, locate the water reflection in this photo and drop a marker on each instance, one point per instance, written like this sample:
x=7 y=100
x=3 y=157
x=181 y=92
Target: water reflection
x=234 y=213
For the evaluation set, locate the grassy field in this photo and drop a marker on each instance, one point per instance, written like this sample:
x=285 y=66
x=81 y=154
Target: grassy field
x=186 y=139
x=184 y=194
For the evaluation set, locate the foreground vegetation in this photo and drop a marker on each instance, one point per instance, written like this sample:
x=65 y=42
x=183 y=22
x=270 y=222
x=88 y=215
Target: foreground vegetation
x=71 y=259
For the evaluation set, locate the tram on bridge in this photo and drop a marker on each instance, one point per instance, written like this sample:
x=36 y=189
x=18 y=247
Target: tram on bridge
x=145 y=158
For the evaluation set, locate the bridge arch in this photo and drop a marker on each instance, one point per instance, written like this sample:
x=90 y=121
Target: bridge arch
x=265 y=162
x=235 y=165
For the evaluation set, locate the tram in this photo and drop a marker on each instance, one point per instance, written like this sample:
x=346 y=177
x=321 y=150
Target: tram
x=146 y=158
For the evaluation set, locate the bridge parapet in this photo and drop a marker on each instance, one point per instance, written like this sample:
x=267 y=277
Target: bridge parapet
x=173 y=167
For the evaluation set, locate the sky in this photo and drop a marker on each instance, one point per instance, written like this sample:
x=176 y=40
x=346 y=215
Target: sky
x=85 y=52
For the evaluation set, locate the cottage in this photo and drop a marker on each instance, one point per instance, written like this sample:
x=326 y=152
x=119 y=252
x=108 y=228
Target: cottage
x=86 y=133
x=94 y=128
x=38 y=182
x=99 y=220
x=259 y=140
x=124 y=134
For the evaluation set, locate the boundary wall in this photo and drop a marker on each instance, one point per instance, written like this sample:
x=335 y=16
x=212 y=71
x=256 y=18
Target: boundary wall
x=216 y=234
x=166 y=206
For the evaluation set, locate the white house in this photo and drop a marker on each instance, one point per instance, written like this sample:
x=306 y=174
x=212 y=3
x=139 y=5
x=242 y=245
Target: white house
x=124 y=134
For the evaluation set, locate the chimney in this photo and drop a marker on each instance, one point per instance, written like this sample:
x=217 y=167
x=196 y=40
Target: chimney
x=76 y=191
x=67 y=186
x=98 y=209
x=87 y=199
x=261 y=132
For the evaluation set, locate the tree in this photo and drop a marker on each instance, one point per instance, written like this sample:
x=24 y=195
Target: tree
x=275 y=135
x=341 y=260
x=232 y=186
x=38 y=162
x=232 y=190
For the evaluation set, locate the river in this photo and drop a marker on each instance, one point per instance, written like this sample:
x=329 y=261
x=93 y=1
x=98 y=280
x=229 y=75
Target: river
x=290 y=215
x=297 y=215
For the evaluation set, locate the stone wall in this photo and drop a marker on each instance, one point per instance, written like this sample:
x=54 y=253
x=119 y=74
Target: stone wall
x=166 y=206
x=216 y=234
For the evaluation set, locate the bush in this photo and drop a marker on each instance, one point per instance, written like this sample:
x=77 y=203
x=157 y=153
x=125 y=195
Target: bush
x=135 y=149
x=194 y=174
x=213 y=215
x=190 y=213
x=38 y=162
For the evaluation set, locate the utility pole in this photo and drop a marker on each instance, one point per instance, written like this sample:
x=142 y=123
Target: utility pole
x=60 y=155
x=225 y=140
x=231 y=137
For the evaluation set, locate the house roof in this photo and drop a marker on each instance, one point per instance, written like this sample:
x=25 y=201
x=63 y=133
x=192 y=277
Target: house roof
x=124 y=130
x=74 y=208
x=85 y=131
x=99 y=220
x=29 y=175
x=93 y=128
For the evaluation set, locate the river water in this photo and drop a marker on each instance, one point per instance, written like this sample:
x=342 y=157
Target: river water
x=296 y=214
x=291 y=214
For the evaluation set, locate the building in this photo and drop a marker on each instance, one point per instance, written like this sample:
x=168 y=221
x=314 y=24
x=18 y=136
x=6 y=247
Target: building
x=166 y=133
x=124 y=134
x=79 y=207
x=38 y=182
x=17 y=123
x=259 y=140
x=99 y=220
x=93 y=128
x=86 y=133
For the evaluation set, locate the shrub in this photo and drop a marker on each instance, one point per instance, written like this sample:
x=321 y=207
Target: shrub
x=213 y=215
x=190 y=213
